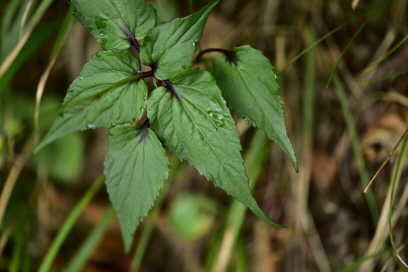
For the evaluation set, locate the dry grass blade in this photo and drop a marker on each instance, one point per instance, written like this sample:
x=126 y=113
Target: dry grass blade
x=40 y=91
x=354 y=4
x=394 y=185
x=13 y=54
x=386 y=77
x=401 y=260
x=4 y=237
x=13 y=176
x=386 y=160
x=398 y=211
x=380 y=236
x=25 y=15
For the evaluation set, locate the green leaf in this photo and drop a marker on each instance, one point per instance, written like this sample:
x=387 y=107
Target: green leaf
x=106 y=93
x=136 y=167
x=192 y=120
x=115 y=23
x=170 y=47
x=249 y=86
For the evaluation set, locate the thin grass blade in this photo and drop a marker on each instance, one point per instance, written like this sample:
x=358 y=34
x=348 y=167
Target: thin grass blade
x=68 y=224
x=254 y=159
x=358 y=154
x=393 y=188
x=78 y=262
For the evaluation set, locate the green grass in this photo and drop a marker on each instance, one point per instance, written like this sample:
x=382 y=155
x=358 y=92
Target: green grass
x=68 y=224
x=355 y=143
x=79 y=260
x=393 y=188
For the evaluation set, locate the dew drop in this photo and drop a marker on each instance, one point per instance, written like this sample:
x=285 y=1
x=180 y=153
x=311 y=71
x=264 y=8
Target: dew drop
x=195 y=43
x=61 y=114
x=113 y=124
x=80 y=77
x=184 y=67
x=246 y=120
x=70 y=91
x=215 y=112
x=102 y=36
x=102 y=39
x=91 y=126
x=143 y=45
x=218 y=118
x=146 y=39
x=100 y=23
x=276 y=77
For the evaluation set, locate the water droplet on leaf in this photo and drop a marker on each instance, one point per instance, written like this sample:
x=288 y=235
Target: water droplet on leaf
x=216 y=113
x=91 y=126
x=184 y=67
x=146 y=39
x=276 y=76
x=102 y=39
x=100 y=23
x=143 y=45
x=218 y=118
x=195 y=43
x=102 y=36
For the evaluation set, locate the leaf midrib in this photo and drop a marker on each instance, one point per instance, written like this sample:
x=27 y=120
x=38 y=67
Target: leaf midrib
x=210 y=144
x=264 y=113
x=102 y=93
x=101 y=11
x=191 y=29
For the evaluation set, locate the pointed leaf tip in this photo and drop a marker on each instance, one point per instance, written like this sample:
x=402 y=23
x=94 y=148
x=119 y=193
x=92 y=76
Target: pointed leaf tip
x=170 y=46
x=136 y=167
x=101 y=96
x=251 y=90
x=115 y=23
x=199 y=128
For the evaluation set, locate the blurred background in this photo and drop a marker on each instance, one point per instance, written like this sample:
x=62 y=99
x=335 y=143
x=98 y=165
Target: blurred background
x=342 y=68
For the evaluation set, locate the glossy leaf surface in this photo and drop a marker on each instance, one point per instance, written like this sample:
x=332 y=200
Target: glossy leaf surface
x=249 y=86
x=104 y=94
x=115 y=23
x=170 y=47
x=192 y=120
